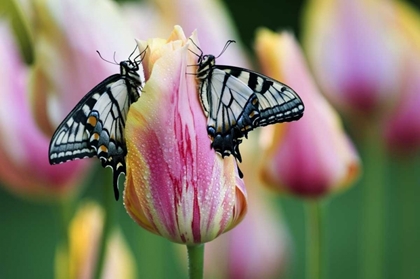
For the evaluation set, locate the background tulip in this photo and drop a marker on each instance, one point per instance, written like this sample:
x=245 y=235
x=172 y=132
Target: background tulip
x=313 y=156
x=353 y=52
x=402 y=125
x=85 y=234
x=24 y=166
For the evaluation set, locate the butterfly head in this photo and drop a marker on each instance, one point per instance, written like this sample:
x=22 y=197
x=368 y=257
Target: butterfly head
x=205 y=64
x=129 y=66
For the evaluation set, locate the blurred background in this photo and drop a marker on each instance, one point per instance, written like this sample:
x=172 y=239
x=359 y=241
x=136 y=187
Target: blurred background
x=30 y=229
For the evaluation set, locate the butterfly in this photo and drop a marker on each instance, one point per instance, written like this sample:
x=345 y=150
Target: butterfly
x=237 y=100
x=95 y=126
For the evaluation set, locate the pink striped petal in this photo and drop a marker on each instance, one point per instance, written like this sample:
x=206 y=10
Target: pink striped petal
x=176 y=185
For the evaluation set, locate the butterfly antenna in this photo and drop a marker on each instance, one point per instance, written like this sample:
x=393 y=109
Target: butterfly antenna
x=201 y=52
x=113 y=57
x=225 y=47
x=141 y=54
x=129 y=57
x=115 y=63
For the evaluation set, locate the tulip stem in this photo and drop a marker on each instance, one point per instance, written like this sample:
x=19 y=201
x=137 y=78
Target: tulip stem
x=195 y=261
x=110 y=211
x=408 y=227
x=373 y=188
x=314 y=237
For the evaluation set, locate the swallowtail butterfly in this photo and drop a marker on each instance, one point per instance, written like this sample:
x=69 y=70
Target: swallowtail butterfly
x=236 y=101
x=95 y=127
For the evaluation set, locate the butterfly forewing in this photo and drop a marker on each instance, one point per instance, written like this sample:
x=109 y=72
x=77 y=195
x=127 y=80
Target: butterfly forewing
x=95 y=127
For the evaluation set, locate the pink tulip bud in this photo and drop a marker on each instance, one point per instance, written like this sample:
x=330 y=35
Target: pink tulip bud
x=354 y=54
x=313 y=156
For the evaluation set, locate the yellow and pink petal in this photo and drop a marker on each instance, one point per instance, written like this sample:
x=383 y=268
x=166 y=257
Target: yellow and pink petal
x=176 y=185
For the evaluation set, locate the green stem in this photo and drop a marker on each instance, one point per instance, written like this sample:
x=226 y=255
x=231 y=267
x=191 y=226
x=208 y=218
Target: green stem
x=407 y=222
x=314 y=237
x=109 y=206
x=195 y=261
x=373 y=198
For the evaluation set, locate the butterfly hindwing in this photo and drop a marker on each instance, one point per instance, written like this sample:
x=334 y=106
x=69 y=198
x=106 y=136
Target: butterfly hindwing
x=95 y=127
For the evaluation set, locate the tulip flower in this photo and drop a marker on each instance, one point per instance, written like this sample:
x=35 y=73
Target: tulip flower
x=354 y=54
x=176 y=185
x=24 y=146
x=313 y=156
x=84 y=236
x=402 y=127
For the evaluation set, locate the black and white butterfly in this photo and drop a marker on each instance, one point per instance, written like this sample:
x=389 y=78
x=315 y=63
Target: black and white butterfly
x=236 y=101
x=95 y=127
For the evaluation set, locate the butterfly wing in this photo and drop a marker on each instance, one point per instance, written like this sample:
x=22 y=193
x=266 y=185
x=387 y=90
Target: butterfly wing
x=70 y=140
x=238 y=100
x=232 y=110
x=277 y=101
x=95 y=127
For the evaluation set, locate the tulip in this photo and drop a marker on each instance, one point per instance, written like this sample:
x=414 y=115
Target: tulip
x=24 y=147
x=354 y=53
x=176 y=185
x=84 y=236
x=402 y=126
x=311 y=157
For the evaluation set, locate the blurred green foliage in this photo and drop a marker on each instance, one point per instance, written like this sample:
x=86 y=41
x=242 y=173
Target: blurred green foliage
x=29 y=230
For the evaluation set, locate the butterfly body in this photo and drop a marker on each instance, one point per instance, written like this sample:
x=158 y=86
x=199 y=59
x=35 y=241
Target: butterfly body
x=236 y=101
x=95 y=127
